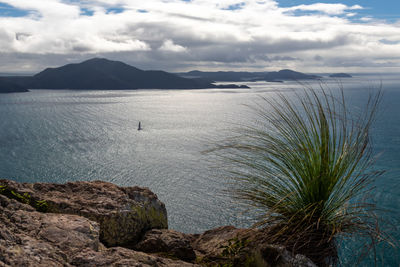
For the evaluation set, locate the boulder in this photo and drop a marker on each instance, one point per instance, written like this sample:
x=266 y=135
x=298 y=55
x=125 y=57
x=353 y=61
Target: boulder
x=123 y=213
x=168 y=242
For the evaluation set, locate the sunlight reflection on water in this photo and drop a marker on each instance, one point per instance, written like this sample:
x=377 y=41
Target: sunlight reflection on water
x=59 y=136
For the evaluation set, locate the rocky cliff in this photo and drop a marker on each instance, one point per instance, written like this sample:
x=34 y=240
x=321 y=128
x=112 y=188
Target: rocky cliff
x=101 y=224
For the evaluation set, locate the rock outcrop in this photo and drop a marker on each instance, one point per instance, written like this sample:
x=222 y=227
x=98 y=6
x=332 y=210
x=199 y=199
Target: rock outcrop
x=123 y=213
x=223 y=246
x=101 y=224
x=31 y=238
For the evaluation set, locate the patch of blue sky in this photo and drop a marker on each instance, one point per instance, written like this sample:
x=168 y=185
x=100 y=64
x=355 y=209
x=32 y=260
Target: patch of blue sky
x=10 y=11
x=142 y=11
x=305 y=12
x=385 y=10
x=87 y=12
x=115 y=10
x=235 y=6
x=389 y=42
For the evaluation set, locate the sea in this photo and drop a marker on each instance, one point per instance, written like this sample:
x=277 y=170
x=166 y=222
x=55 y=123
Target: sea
x=64 y=135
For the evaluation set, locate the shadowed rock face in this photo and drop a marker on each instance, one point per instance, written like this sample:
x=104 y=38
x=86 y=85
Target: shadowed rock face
x=168 y=241
x=223 y=246
x=123 y=213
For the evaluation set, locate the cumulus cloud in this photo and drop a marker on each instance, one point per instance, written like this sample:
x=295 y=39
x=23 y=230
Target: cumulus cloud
x=169 y=46
x=330 y=9
x=181 y=35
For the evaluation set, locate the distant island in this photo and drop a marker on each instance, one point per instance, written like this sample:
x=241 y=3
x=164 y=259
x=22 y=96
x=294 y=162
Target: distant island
x=288 y=75
x=340 y=75
x=104 y=74
x=232 y=76
x=10 y=87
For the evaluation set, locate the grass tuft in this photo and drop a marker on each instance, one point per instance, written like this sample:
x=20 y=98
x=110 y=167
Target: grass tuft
x=305 y=168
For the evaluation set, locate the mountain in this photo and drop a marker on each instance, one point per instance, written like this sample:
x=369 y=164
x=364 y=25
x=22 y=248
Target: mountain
x=7 y=86
x=224 y=76
x=231 y=76
x=289 y=75
x=340 y=75
x=104 y=74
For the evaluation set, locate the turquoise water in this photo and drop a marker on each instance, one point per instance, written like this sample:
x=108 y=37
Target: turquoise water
x=60 y=136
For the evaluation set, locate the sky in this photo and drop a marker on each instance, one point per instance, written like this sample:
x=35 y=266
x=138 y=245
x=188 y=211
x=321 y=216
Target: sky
x=181 y=35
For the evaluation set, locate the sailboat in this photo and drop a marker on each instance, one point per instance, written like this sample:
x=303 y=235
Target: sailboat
x=140 y=127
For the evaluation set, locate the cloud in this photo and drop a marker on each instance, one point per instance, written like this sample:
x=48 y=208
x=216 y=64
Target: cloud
x=180 y=35
x=169 y=46
x=330 y=9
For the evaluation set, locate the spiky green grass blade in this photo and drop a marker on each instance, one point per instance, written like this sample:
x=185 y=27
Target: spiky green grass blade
x=304 y=166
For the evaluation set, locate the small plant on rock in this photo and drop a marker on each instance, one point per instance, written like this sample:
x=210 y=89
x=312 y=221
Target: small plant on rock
x=305 y=168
